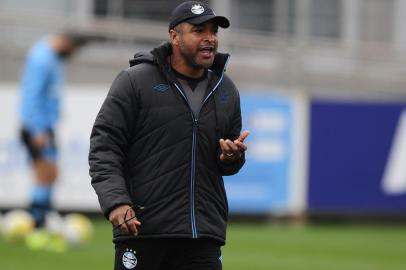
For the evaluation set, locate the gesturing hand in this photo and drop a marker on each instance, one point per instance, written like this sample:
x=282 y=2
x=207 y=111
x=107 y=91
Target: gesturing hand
x=232 y=150
x=123 y=218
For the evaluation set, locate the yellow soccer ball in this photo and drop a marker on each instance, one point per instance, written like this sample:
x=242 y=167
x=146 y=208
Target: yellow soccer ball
x=17 y=224
x=78 y=229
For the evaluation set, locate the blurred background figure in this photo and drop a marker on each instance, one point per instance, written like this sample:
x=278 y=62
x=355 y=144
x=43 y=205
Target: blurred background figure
x=40 y=96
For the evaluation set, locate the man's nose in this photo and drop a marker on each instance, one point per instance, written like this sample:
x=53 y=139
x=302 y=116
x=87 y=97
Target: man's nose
x=210 y=36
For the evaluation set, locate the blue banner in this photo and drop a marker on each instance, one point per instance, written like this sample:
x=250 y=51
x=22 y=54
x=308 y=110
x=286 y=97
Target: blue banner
x=262 y=184
x=357 y=157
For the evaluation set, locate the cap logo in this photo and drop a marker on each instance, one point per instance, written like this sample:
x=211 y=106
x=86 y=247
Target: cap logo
x=197 y=9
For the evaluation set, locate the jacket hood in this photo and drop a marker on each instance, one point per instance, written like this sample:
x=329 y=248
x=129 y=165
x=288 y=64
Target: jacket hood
x=141 y=57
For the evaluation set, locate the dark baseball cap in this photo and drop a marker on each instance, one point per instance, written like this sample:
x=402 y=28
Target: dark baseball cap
x=195 y=13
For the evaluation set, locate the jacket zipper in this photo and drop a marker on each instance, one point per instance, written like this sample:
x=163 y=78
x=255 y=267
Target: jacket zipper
x=193 y=167
x=194 y=145
x=193 y=180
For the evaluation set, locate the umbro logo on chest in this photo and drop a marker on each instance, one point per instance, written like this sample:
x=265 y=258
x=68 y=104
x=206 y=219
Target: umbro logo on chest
x=161 y=87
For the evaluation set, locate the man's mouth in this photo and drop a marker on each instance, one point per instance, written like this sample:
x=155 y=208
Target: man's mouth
x=206 y=52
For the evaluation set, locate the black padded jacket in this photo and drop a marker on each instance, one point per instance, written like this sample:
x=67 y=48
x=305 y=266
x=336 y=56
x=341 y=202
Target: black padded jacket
x=147 y=149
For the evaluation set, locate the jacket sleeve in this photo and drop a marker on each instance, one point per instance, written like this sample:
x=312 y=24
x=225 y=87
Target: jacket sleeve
x=235 y=130
x=109 y=142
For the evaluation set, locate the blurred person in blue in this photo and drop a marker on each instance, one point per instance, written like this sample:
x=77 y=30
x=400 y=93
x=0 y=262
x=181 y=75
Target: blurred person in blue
x=166 y=134
x=40 y=98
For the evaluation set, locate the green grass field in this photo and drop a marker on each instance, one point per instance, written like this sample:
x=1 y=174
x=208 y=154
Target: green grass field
x=256 y=247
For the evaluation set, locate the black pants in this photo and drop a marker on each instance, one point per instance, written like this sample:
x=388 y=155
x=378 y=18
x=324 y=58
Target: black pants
x=168 y=254
x=35 y=152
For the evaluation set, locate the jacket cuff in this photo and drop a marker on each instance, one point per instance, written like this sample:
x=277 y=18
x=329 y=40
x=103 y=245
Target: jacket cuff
x=110 y=205
x=232 y=167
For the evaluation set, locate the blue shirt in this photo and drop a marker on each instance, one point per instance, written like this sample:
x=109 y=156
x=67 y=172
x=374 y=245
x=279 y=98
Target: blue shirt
x=41 y=88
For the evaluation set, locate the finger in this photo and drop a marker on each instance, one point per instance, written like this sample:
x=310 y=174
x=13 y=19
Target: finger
x=130 y=214
x=123 y=227
x=131 y=218
x=121 y=217
x=224 y=146
x=243 y=135
x=223 y=156
x=114 y=219
x=134 y=230
x=240 y=145
x=133 y=226
x=132 y=222
x=231 y=146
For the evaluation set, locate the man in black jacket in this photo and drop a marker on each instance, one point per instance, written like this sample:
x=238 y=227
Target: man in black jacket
x=167 y=132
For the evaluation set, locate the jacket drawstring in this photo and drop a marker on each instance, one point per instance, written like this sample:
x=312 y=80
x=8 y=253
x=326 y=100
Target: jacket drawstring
x=217 y=119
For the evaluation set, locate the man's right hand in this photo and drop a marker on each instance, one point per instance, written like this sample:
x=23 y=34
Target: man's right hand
x=123 y=217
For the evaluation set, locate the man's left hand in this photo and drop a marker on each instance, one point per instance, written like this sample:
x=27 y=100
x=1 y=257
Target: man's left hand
x=232 y=150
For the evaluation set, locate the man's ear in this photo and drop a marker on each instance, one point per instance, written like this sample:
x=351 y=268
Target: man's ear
x=174 y=36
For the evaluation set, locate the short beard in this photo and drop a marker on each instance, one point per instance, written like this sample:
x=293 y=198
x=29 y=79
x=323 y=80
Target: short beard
x=190 y=58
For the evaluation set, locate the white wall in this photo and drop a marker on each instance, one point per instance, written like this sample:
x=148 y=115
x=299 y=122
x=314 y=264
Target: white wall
x=73 y=189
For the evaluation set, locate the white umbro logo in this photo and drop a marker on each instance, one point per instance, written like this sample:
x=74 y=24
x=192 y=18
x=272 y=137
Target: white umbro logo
x=197 y=9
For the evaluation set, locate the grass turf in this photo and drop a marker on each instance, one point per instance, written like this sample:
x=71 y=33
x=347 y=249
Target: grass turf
x=256 y=247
